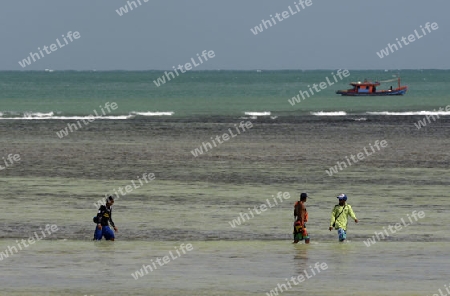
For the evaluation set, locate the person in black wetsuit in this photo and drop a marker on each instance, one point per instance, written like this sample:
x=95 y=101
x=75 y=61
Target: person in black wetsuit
x=104 y=218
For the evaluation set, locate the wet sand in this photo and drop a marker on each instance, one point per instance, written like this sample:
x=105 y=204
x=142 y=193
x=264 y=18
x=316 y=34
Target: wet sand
x=283 y=150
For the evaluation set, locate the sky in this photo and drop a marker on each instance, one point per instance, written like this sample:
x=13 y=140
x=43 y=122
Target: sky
x=160 y=34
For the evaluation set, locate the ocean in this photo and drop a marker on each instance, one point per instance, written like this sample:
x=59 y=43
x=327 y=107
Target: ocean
x=205 y=170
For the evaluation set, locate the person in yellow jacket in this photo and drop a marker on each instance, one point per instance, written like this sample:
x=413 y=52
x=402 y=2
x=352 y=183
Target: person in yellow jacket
x=339 y=217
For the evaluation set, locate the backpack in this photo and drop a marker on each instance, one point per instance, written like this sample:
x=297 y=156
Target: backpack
x=95 y=219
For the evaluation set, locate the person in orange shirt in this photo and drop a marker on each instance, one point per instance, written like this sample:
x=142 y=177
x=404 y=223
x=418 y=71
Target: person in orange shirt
x=301 y=217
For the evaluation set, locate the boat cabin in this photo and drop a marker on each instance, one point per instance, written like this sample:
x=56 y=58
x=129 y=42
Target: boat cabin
x=365 y=87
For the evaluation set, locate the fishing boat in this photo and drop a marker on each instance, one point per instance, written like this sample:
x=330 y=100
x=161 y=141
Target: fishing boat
x=369 y=88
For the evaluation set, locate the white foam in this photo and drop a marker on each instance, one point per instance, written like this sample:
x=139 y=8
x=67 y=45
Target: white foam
x=169 y=113
x=122 y=117
x=334 y=113
x=267 y=113
x=91 y=117
x=38 y=114
x=424 y=113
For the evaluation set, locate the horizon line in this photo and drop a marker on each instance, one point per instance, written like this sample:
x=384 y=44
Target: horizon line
x=218 y=70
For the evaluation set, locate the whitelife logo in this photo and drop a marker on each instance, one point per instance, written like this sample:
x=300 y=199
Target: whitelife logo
x=35 y=56
x=262 y=208
x=281 y=16
x=299 y=279
x=380 y=235
x=411 y=38
x=73 y=127
x=9 y=161
x=165 y=260
x=124 y=9
x=323 y=85
x=423 y=122
x=341 y=165
x=244 y=126
x=187 y=67
x=11 y=250
x=440 y=291
x=128 y=188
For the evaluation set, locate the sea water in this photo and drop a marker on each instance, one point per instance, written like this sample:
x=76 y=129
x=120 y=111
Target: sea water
x=217 y=202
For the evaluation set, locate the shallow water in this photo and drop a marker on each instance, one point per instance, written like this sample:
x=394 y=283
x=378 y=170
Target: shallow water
x=193 y=200
x=67 y=267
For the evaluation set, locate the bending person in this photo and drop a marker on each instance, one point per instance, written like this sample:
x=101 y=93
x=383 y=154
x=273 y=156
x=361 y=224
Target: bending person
x=104 y=218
